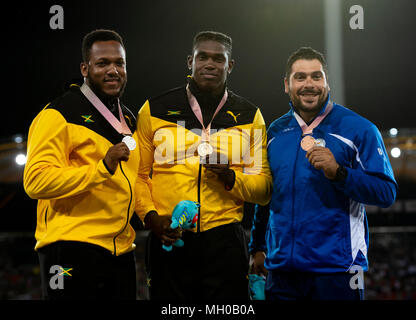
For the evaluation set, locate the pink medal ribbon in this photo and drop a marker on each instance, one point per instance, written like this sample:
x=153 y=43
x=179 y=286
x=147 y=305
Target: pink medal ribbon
x=308 y=141
x=120 y=126
x=204 y=148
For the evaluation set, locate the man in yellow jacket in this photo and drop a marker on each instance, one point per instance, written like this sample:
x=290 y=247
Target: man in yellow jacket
x=83 y=176
x=204 y=143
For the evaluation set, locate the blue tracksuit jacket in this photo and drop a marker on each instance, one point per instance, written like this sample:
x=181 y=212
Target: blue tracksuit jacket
x=313 y=224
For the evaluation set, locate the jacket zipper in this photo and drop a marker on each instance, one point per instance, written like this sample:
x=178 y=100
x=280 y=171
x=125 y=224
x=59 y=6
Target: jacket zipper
x=199 y=199
x=292 y=231
x=128 y=212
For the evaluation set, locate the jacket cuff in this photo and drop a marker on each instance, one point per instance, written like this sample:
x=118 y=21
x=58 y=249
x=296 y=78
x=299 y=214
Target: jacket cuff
x=255 y=249
x=228 y=187
x=108 y=169
x=103 y=170
x=341 y=183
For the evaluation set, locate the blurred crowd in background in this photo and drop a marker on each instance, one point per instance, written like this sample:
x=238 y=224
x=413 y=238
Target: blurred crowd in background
x=392 y=273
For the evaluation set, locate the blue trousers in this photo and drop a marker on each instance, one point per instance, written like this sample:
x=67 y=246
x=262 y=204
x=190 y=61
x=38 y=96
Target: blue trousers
x=311 y=286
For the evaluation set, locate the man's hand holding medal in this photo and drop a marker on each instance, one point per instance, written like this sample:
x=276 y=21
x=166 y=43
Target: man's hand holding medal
x=223 y=171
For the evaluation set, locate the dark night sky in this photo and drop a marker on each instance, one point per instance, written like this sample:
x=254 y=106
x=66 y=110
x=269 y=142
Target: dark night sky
x=37 y=61
x=378 y=61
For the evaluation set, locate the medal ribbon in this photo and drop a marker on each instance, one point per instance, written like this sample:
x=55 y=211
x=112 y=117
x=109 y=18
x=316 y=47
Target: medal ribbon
x=196 y=108
x=120 y=126
x=309 y=129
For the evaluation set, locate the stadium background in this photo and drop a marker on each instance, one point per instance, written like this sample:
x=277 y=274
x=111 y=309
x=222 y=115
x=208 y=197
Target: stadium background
x=371 y=71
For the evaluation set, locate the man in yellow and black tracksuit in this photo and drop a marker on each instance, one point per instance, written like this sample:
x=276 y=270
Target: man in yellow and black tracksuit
x=213 y=263
x=84 y=178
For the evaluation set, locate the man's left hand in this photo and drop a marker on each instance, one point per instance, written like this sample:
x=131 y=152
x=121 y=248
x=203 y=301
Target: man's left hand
x=323 y=159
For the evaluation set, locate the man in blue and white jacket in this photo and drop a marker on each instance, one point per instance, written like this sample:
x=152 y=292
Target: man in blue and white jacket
x=327 y=162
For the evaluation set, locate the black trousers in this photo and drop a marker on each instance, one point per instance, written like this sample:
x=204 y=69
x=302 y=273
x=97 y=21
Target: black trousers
x=77 y=270
x=211 y=266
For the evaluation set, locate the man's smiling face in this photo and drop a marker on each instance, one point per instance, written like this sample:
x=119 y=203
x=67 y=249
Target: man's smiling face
x=307 y=86
x=105 y=71
x=210 y=65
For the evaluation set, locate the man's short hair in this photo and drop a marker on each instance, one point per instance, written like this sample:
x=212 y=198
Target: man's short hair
x=214 y=36
x=305 y=53
x=98 y=35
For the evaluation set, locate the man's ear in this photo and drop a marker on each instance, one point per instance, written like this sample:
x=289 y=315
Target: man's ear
x=286 y=85
x=230 y=65
x=84 y=69
x=327 y=82
x=189 y=62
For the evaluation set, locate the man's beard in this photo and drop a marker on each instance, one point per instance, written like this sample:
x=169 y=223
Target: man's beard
x=299 y=106
x=108 y=100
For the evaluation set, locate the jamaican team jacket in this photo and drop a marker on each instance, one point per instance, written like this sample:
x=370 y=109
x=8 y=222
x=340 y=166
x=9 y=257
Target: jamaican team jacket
x=169 y=134
x=78 y=198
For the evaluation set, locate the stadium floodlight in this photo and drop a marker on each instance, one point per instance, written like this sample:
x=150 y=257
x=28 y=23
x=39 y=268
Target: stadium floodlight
x=395 y=152
x=18 y=139
x=21 y=159
x=393 y=132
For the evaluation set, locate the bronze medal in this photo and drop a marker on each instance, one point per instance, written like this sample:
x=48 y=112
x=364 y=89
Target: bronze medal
x=307 y=143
